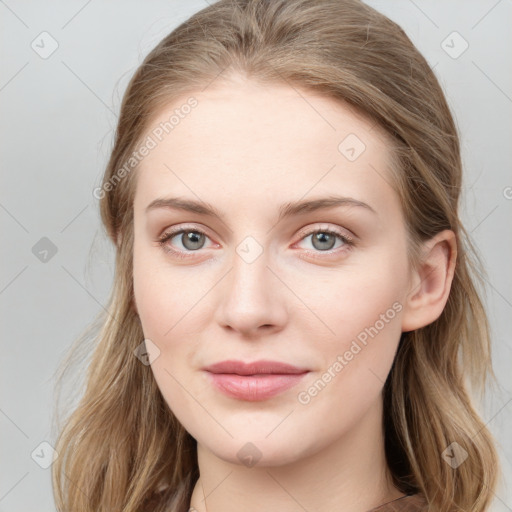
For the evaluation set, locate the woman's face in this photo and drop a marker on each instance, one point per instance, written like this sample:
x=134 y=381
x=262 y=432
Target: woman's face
x=256 y=282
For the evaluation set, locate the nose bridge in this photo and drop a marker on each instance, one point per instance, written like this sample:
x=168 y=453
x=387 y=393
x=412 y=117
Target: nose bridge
x=249 y=282
x=250 y=295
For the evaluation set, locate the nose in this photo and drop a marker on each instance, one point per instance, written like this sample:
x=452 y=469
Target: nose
x=252 y=298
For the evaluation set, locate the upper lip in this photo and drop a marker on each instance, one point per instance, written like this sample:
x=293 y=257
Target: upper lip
x=256 y=367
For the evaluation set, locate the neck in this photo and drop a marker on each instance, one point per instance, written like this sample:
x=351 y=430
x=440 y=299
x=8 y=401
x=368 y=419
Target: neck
x=350 y=472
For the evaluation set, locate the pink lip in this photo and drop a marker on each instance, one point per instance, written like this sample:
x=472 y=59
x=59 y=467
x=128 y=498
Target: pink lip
x=256 y=367
x=254 y=381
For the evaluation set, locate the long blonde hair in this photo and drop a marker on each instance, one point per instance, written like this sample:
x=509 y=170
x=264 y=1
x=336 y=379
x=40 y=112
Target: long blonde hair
x=121 y=448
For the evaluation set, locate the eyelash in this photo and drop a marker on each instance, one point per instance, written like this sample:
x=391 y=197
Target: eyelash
x=348 y=241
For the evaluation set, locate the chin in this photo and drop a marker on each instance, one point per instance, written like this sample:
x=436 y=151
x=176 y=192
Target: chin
x=249 y=451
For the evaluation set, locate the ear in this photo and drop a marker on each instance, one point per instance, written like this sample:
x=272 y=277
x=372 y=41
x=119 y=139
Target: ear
x=431 y=282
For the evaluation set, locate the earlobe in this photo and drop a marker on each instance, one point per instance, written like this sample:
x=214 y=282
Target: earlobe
x=432 y=282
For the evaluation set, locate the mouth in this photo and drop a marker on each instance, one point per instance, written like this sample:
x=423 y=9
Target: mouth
x=254 y=381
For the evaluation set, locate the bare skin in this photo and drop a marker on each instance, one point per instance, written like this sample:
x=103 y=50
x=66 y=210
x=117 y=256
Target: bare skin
x=247 y=150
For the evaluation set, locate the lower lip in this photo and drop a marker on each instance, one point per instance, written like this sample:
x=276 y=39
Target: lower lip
x=254 y=387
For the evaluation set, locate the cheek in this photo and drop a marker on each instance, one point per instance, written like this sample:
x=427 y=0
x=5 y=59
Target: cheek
x=163 y=314
x=150 y=301
x=155 y=298
x=353 y=297
x=362 y=309
x=170 y=302
x=358 y=357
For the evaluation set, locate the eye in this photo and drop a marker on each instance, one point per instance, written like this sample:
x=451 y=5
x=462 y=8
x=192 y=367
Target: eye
x=324 y=239
x=191 y=239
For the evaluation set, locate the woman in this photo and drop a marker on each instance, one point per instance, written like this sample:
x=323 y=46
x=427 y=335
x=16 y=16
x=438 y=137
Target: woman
x=294 y=322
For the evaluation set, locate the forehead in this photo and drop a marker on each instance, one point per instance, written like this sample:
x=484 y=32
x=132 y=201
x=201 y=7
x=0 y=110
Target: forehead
x=245 y=142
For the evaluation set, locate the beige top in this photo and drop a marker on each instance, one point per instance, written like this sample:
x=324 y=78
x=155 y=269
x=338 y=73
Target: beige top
x=409 y=503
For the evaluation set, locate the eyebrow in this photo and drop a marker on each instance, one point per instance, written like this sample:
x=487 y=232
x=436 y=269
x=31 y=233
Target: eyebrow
x=286 y=210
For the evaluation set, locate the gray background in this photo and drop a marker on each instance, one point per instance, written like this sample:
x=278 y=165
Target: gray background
x=57 y=119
